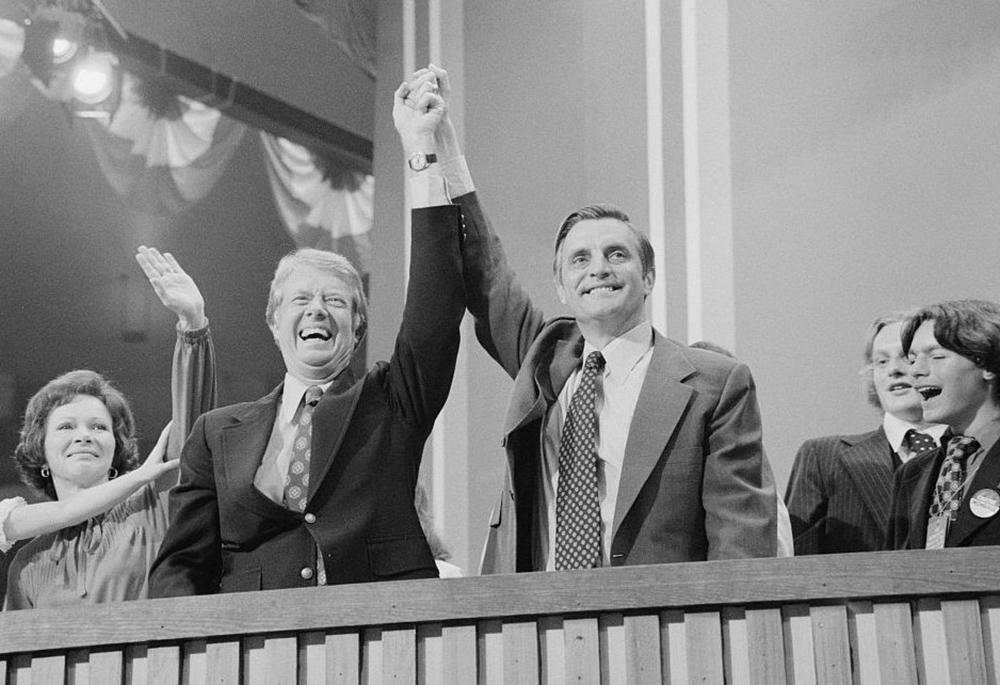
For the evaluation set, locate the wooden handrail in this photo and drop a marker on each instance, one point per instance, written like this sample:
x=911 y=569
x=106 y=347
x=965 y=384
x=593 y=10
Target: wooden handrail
x=950 y=574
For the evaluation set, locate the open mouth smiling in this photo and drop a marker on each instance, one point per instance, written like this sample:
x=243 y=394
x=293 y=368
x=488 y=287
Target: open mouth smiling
x=900 y=386
x=315 y=333
x=929 y=391
x=602 y=290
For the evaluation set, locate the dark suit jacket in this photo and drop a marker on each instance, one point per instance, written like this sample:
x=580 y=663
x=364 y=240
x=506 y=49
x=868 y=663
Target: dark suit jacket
x=839 y=493
x=695 y=482
x=913 y=490
x=367 y=441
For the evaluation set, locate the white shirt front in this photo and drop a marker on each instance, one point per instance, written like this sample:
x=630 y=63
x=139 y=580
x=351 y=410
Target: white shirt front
x=895 y=430
x=273 y=470
x=626 y=363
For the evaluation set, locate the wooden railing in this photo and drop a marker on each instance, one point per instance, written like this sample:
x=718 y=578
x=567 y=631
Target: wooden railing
x=894 y=617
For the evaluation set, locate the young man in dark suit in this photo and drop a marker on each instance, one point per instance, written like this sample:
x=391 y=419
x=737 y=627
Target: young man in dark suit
x=839 y=492
x=265 y=501
x=673 y=470
x=950 y=497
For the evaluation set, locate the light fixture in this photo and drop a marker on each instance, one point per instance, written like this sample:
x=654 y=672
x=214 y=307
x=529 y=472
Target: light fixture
x=70 y=57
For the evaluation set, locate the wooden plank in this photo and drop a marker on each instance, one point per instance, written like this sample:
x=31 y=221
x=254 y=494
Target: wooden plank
x=194 y=662
x=106 y=666
x=552 y=650
x=673 y=633
x=800 y=656
x=520 y=652
x=20 y=669
x=312 y=658
x=765 y=646
x=885 y=575
x=137 y=665
x=704 y=647
x=399 y=655
x=343 y=658
x=642 y=649
x=735 y=646
x=897 y=656
x=163 y=663
x=489 y=647
x=430 y=653
x=964 y=638
x=611 y=641
x=459 y=654
x=863 y=641
x=49 y=669
x=371 y=660
x=583 y=661
x=78 y=667
x=989 y=608
x=831 y=644
x=928 y=637
x=222 y=662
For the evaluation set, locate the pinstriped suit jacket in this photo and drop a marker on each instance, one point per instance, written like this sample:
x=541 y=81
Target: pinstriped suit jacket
x=839 y=493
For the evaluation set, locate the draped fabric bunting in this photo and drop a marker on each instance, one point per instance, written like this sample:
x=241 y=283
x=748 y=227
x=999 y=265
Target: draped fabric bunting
x=321 y=208
x=350 y=24
x=163 y=165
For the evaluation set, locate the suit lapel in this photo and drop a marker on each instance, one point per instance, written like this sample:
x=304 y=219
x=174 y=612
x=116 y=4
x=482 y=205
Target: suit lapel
x=662 y=401
x=987 y=477
x=243 y=443
x=330 y=422
x=868 y=464
x=541 y=388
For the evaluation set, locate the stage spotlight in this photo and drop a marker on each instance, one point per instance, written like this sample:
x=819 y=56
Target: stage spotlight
x=68 y=52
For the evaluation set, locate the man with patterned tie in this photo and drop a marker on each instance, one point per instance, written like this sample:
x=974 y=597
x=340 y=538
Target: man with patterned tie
x=314 y=483
x=839 y=492
x=950 y=497
x=623 y=447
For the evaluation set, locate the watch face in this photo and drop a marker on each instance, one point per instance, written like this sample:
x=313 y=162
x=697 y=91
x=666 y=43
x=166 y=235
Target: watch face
x=418 y=161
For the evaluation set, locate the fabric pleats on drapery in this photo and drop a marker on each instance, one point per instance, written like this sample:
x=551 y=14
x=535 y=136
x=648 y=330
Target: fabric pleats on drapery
x=163 y=159
x=324 y=208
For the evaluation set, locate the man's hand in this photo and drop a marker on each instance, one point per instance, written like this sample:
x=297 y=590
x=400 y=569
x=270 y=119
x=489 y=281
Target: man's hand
x=176 y=290
x=417 y=111
x=445 y=137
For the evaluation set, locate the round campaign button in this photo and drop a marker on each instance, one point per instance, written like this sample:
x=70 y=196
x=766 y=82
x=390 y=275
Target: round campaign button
x=985 y=503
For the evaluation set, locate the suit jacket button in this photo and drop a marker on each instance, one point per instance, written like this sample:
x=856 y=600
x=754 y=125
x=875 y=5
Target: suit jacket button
x=306 y=573
x=310 y=518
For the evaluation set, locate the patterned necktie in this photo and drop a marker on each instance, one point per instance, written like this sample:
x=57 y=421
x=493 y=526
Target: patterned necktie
x=918 y=442
x=297 y=484
x=948 y=491
x=578 y=511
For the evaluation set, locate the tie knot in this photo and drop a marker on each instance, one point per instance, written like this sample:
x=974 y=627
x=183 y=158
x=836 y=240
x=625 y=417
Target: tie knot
x=919 y=442
x=595 y=362
x=961 y=447
x=313 y=393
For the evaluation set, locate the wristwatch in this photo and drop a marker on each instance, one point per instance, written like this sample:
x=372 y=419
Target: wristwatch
x=419 y=161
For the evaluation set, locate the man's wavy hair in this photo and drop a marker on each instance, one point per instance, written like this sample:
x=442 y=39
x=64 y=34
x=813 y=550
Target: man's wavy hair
x=970 y=328
x=604 y=211
x=29 y=455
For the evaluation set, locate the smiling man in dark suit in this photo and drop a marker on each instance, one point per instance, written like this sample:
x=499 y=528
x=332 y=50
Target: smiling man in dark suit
x=265 y=501
x=950 y=497
x=839 y=491
x=648 y=451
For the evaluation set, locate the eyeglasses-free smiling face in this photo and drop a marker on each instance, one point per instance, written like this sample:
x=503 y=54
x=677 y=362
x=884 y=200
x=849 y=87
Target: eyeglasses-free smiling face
x=891 y=375
x=79 y=443
x=600 y=276
x=314 y=324
x=953 y=389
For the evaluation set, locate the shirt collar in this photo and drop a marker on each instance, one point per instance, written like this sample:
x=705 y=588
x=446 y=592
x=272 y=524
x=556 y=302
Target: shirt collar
x=291 y=396
x=624 y=352
x=895 y=430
